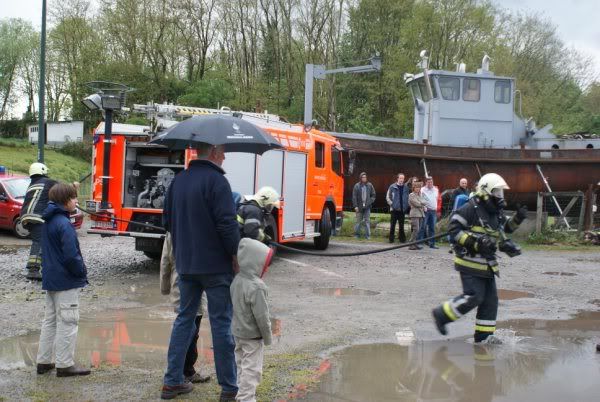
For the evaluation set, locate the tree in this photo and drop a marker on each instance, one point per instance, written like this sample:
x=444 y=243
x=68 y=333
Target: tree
x=15 y=45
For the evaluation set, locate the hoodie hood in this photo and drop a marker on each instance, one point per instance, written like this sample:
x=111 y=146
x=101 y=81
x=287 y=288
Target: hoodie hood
x=54 y=209
x=254 y=257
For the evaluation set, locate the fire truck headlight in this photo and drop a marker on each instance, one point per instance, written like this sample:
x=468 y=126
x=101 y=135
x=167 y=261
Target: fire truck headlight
x=93 y=102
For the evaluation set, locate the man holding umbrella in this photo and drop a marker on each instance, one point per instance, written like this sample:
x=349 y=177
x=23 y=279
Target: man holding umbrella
x=201 y=217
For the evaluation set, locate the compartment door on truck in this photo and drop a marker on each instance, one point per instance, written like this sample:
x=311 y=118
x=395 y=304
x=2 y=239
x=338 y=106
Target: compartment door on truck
x=240 y=169
x=294 y=194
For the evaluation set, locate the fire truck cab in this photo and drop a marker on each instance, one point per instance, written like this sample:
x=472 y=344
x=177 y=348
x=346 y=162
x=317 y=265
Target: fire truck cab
x=308 y=173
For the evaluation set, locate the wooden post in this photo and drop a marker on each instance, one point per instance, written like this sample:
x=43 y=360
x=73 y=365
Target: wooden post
x=581 y=225
x=588 y=220
x=539 y=213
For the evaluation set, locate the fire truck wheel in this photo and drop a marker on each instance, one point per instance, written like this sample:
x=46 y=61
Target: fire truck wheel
x=271 y=228
x=322 y=241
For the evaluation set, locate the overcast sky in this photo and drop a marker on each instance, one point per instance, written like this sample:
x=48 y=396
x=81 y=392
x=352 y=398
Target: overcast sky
x=578 y=21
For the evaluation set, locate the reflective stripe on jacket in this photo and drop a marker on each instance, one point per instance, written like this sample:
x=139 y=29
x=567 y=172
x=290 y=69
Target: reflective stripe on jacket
x=36 y=199
x=469 y=222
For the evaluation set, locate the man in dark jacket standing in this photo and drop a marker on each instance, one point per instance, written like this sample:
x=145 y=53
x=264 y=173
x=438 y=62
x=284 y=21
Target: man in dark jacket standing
x=363 y=197
x=462 y=189
x=397 y=199
x=36 y=201
x=200 y=215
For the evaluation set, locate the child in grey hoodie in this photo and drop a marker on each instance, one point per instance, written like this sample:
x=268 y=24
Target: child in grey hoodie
x=251 y=324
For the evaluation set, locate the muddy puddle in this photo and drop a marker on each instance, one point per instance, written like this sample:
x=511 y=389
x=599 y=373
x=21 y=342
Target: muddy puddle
x=136 y=337
x=336 y=292
x=539 y=361
x=506 y=294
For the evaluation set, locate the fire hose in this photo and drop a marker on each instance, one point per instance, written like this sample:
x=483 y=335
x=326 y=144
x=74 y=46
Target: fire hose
x=281 y=246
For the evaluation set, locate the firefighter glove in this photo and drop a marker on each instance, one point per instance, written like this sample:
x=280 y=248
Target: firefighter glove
x=521 y=214
x=486 y=246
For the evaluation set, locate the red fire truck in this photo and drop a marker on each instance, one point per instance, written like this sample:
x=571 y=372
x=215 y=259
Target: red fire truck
x=308 y=173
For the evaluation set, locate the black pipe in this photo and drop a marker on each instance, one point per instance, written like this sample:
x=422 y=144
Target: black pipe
x=106 y=161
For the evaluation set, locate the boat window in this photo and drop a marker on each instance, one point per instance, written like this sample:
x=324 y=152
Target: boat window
x=319 y=154
x=415 y=90
x=589 y=146
x=471 y=89
x=450 y=88
x=554 y=146
x=424 y=92
x=502 y=91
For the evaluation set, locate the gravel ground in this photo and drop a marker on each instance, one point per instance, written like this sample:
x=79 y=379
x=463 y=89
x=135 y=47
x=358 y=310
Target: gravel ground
x=407 y=285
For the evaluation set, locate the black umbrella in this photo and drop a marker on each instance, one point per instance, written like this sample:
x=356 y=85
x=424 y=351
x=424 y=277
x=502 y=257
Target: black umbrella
x=234 y=133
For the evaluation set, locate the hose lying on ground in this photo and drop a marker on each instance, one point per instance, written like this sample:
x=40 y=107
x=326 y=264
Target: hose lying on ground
x=288 y=248
x=357 y=253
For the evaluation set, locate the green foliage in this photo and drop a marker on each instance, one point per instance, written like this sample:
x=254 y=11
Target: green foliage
x=556 y=237
x=77 y=149
x=141 y=121
x=62 y=167
x=13 y=128
x=209 y=93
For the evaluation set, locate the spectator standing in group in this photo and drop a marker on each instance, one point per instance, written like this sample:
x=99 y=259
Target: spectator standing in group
x=200 y=215
x=462 y=189
x=251 y=325
x=63 y=275
x=397 y=199
x=430 y=194
x=36 y=201
x=363 y=197
x=169 y=286
x=417 y=213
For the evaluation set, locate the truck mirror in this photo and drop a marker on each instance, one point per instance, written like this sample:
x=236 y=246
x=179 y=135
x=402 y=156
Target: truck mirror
x=3 y=197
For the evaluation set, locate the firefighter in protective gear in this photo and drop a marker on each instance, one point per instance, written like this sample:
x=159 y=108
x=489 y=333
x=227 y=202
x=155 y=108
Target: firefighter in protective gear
x=477 y=230
x=252 y=214
x=36 y=201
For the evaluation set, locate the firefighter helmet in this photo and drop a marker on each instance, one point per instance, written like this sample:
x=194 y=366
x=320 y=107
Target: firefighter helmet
x=38 y=168
x=492 y=184
x=267 y=197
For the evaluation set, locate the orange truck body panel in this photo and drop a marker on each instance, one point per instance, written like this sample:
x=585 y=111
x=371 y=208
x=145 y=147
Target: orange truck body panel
x=324 y=184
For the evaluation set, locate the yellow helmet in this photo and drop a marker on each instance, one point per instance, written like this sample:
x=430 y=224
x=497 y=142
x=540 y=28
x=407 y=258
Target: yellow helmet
x=267 y=197
x=492 y=184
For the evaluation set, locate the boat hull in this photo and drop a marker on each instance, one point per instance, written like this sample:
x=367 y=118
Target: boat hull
x=566 y=170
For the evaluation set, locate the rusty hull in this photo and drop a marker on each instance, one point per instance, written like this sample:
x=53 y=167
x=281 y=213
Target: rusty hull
x=566 y=170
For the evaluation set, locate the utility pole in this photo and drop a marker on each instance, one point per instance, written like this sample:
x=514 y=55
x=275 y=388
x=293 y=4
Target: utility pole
x=42 y=89
x=318 y=72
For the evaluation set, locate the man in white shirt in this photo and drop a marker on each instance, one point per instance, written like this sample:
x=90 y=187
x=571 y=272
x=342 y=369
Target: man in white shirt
x=431 y=194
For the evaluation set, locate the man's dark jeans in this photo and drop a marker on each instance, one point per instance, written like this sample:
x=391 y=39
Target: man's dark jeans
x=428 y=227
x=220 y=313
x=397 y=216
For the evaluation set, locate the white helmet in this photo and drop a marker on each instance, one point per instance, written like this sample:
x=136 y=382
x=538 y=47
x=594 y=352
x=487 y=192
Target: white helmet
x=38 y=168
x=267 y=197
x=492 y=184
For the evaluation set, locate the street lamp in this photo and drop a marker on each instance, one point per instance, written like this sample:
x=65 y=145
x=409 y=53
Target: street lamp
x=109 y=97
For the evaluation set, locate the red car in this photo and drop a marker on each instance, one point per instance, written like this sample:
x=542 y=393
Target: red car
x=12 y=195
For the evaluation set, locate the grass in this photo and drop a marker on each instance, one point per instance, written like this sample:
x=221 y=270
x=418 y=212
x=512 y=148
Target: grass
x=17 y=155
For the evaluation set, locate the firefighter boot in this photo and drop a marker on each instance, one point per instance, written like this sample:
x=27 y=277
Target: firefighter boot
x=440 y=320
x=33 y=273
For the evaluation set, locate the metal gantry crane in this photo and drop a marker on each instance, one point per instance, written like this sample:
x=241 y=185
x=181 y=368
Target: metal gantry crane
x=318 y=71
